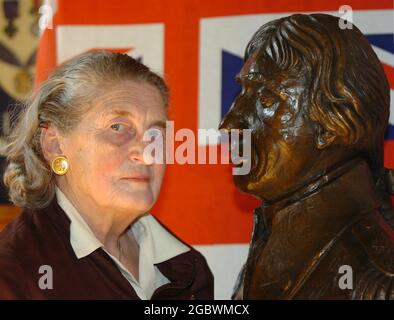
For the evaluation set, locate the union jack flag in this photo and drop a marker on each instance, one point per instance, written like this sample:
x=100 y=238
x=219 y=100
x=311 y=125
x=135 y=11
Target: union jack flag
x=198 y=46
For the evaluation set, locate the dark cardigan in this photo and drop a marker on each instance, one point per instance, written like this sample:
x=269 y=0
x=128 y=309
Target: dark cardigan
x=42 y=238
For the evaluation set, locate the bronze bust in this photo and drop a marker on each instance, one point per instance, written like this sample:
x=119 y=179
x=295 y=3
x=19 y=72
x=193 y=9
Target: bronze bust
x=316 y=100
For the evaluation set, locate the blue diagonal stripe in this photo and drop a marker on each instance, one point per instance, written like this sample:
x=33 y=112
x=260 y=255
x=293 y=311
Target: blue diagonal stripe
x=384 y=41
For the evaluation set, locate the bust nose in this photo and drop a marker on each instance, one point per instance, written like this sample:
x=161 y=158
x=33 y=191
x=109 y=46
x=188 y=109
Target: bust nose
x=238 y=117
x=229 y=122
x=234 y=120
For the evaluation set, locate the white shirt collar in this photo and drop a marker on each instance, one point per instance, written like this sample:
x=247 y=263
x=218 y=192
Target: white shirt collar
x=155 y=242
x=149 y=234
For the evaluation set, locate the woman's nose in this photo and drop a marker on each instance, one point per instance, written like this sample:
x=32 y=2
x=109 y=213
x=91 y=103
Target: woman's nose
x=136 y=152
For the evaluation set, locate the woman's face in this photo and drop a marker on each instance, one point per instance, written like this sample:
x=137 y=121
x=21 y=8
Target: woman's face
x=105 y=150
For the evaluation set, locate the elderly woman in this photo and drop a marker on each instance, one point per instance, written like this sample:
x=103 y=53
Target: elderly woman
x=76 y=167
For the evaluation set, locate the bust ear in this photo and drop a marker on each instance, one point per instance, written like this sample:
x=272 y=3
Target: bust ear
x=325 y=138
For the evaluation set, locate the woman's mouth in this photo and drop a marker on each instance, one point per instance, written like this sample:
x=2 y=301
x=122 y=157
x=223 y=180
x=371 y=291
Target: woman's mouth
x=137 y=178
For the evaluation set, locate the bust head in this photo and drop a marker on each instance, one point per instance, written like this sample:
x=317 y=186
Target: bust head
x=314 y=96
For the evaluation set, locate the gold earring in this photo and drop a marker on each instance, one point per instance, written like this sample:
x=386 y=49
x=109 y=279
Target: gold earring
x=60 y=165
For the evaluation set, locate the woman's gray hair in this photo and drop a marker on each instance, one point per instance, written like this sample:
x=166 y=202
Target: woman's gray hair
x=62 y=100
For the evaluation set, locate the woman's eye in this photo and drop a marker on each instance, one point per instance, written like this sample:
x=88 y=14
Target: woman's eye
x=118 y=127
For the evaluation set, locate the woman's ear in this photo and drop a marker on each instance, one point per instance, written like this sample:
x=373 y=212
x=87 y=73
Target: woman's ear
x=325 y=138
x=51 y=142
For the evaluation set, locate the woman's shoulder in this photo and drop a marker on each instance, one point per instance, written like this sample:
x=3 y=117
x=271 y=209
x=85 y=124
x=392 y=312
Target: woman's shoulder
x=15 y=240
x=24 y=234
x=15 y=232
x=32 y=240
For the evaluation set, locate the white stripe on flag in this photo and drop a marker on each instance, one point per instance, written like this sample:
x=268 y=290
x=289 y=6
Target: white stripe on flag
x=384 y=56
x=225 y=261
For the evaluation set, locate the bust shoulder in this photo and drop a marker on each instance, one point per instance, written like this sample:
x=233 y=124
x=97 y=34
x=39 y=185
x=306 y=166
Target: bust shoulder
x=377 y=239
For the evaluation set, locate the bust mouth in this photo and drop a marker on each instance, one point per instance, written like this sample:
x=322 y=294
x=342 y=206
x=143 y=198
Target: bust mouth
x=257 y=166
x=253 y=182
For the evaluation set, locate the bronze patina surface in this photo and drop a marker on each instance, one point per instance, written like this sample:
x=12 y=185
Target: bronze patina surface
x=316 y=100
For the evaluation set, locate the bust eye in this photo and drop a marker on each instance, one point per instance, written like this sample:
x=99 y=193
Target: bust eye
x=265 y=99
